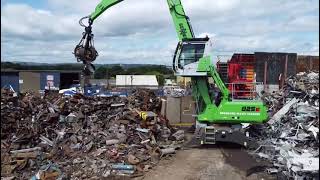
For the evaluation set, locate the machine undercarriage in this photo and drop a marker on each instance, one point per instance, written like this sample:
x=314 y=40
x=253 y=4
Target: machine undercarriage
x=224 y=133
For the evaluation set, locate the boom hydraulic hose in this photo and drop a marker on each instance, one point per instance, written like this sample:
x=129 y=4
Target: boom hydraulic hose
x=85 y=51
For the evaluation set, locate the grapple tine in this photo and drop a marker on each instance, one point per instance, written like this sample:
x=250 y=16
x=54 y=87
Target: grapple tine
x=85 y=51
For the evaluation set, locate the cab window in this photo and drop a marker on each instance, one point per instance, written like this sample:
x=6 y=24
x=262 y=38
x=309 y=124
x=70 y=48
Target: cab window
x=191 y=53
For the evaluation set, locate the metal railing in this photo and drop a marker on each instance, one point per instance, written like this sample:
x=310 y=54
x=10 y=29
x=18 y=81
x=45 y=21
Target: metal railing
x=251 y=93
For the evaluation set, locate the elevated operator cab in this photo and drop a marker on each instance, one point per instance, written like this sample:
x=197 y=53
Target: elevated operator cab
x=187 y=55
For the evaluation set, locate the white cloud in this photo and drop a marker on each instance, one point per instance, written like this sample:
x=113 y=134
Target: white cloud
x=73 y=6
x=304 y=23
x=142 y=30
x=26 y=22
x=206 y=34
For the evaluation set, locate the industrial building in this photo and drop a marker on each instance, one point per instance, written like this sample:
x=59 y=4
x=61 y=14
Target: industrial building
x=137 y=81
x=245 y=74
x=263 y=70
x=34 y=80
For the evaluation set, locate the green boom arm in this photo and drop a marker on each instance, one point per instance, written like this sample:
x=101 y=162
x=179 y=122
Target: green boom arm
x=181 y=21
x=85 y=50
x=205 y=65
x=101 y=7
x=183 y=29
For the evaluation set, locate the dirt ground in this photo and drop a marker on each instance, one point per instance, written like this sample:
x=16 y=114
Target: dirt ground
x=208 y=163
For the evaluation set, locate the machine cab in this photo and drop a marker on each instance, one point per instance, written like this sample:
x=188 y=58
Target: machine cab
x=187 y=55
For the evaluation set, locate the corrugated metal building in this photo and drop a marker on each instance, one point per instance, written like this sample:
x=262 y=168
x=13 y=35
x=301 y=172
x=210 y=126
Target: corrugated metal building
x=307 y=63
x=137 y=81
x=271 y=68
x=29 y=81
x=33 y=80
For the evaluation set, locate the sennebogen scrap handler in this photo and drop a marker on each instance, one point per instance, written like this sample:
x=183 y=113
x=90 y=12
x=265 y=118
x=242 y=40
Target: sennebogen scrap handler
x=217 y=121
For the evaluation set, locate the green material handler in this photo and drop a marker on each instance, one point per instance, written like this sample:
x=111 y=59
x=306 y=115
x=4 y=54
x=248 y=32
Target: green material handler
x=217 y=121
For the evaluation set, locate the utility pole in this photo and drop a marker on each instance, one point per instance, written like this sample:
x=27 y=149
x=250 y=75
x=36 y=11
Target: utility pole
x=131 y=76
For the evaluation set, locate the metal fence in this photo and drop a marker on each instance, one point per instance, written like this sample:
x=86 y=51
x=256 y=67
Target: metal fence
x=251 y=93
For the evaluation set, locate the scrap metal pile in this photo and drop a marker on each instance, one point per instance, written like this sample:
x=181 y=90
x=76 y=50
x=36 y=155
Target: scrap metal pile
x=55 y=137
x=290 y=140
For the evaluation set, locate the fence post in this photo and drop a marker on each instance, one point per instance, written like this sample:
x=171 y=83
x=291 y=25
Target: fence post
x=285 y=71
x=265 y=76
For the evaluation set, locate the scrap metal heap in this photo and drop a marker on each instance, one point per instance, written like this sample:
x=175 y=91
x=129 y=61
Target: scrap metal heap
x=291 y=138
x=79 y=137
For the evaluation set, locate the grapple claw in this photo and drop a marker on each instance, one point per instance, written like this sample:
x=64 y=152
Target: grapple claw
x=85 y=55
x=88 y=69
x=85 y=51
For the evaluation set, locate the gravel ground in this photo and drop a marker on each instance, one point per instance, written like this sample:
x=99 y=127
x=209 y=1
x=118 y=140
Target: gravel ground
x=208 y=163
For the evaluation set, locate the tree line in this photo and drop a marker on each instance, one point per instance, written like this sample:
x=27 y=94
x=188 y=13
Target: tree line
x=161 y=72
x=102 y=71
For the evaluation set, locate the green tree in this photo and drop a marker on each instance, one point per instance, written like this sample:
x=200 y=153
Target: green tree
x=116 y=70
x=161 y=79
x=101 y=73
x=159 y=76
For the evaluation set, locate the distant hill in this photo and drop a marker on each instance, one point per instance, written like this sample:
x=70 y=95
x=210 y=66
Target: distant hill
x=125 y=66
x=62 y=66
x=102 y=70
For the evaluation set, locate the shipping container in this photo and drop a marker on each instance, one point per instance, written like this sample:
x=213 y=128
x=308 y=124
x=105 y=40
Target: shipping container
x=10 y=78
x=49 y=80
x=222 y=68
x=307 y=63
x=276 y=65
x=241 y=75
x=29 y=81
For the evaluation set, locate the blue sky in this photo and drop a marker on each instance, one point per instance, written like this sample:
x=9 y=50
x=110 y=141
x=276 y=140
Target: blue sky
x=33 y=3
x=141 y=31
